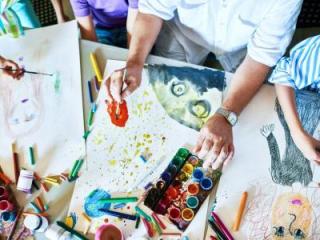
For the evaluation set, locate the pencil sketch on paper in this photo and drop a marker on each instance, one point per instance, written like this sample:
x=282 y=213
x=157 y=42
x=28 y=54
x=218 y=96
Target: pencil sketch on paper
x=293 y=166
x=277 y=213
x=188 y=95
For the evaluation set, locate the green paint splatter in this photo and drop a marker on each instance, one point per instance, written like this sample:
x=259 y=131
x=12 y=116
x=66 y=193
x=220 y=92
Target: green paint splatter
x=57 y=83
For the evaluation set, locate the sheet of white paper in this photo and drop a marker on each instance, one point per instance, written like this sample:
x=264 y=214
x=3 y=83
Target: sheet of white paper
x=43 y=111
x=251 y=169
x=113 y=152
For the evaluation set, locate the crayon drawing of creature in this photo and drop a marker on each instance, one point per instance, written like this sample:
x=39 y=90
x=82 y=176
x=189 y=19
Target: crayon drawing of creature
x=282 y=213
x=293 y=166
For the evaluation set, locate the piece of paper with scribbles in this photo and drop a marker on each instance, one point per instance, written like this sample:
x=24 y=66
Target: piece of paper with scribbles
x=283 y=191
x=163 y=115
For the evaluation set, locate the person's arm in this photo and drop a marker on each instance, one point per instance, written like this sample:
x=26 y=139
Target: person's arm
x=146 y=30
x=58 y=8
x=87 y=28
x=8 y=66
x=309 y=146
x=132 y=15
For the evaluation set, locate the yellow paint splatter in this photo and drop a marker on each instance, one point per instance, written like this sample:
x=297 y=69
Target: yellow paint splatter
x=112 y=162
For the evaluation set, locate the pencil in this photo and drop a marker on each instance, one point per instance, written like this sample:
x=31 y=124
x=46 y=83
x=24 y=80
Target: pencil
x=119 y=200
x=240 y=211
x=95 y=67
x=72 y=231
x=15 y=159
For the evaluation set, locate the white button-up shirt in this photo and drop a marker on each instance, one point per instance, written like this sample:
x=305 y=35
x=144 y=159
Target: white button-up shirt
x=229 y=28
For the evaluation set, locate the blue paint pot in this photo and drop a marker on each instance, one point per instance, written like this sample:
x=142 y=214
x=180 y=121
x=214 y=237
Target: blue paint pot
x=166 y=176
x=8 y=216
x=192 y=202
x=206 y=184
x=197 y=175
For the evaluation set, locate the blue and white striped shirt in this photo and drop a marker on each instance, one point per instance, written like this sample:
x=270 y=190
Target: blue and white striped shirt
x=302 y=68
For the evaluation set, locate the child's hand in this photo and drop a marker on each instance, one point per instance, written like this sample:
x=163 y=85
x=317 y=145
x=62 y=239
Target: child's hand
x=11 y=68
x=309 y=146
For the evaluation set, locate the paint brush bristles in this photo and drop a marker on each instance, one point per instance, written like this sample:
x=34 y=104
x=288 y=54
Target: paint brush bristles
x=25 y=71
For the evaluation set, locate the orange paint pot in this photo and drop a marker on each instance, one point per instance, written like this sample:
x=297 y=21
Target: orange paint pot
x=193 y=188
x=187 y=214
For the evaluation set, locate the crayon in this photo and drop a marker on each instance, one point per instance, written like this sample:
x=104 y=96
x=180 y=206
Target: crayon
x=43 y=185
x=119 y=214
x=77 y=169
x=40 y=204
x=156 y=217
x=217 y=230
x=95 y=67
x=148 y=226
x=240 y=211
x=119 y=200
x=15 y=159
x=222 y=226
x=137 y=222
x=143 y=214
x=72 y=231
x=31 y=156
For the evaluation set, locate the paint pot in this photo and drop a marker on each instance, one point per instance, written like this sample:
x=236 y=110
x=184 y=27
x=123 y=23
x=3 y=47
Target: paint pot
x=183 y=176
x=8 y=216
x=183 y=152
x=108 y=232
x=187 y=214
x=192 y=202
x=197 y=175
x=172 y=169
x=194 y=160
x=193 y=188
x=188 y=168
x=177 y=161
x=206 y=184
x=4 y=194
x=166 y=176
x=54 y=232
x=172 y=193
x=6 y=206
x=25 y=181
x=160 y=184
x=177 y=184
x=36 y=223
x=174 y=213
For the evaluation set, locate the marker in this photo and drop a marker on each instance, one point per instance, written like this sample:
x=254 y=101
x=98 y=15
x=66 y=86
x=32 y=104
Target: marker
x=31 y=156
x=240 y=211
x=143 y=214
x=216 y=229
x=25 y=71
x=72 y=231
x=119 y=200
x=119 y=214
x=15 y=159
x=222 y=226
x=156 y=218
x=95 y=67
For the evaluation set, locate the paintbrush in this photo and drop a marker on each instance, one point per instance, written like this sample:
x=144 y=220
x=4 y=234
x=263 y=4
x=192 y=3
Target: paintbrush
x=25 y=71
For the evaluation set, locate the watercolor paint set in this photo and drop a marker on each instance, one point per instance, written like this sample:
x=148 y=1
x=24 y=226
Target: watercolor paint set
x=181 y=189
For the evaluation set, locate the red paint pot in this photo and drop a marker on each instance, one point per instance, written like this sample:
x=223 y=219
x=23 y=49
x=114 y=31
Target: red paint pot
x=5 y=205
x=109 y=232
x=172 y=193
x=174 y=213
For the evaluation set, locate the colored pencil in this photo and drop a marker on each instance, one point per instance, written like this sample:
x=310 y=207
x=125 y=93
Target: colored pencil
x=222 y=226
x=119 y=200
x=240 y=211
x=31 y=156
x=156 y=217
x=72 y=231
x=217 y=230
x=5 y=179
x=95 y=67
x=119 y=214
x=143 y=214
x=25 y=71
x=15 y=159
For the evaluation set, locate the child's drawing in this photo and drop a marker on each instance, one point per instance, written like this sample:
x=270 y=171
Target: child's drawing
x=188 y=95
x=293 y=167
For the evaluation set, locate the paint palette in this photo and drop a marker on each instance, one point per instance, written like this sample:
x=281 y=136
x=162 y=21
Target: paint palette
x=181 y=189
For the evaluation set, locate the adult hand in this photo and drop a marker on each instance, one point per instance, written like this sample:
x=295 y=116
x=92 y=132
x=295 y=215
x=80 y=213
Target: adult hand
x=123 y=82
x=309 y=146
x=215 y=142
x=11 y=68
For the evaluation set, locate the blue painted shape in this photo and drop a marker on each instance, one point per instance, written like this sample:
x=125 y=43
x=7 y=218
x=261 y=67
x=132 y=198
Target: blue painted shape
x=92 y=205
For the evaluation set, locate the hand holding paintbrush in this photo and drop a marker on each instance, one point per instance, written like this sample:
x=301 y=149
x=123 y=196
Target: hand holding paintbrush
x=10 y=68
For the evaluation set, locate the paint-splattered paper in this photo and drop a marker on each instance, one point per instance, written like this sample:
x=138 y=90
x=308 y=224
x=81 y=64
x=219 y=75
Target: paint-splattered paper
x=283 y=191
x=40 y=110
x=113 y=153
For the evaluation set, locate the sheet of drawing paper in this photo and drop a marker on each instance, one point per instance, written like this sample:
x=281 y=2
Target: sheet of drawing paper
x=43 y=111
x=113 y=152
x=283 y=192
